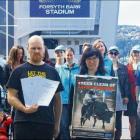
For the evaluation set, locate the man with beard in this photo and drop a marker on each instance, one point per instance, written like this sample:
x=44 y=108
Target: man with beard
x=34 y=122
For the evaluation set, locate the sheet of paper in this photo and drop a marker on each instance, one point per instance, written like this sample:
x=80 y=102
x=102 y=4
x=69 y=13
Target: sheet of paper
x=37 y=90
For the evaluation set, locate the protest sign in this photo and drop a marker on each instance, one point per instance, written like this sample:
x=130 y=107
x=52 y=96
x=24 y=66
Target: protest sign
x=94 y=107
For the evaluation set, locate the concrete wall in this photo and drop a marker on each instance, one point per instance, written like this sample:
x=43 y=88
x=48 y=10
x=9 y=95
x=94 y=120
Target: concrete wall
x=109 y=21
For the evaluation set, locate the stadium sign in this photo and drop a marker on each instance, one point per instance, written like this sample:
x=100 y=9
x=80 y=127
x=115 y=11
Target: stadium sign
x=59 y=8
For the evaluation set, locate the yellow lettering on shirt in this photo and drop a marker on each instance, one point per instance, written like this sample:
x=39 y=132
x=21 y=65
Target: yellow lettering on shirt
x=36 y=73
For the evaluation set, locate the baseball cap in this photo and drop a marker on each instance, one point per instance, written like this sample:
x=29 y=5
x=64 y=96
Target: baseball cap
x=60 y=48
x=136 y=48
x=113 y=48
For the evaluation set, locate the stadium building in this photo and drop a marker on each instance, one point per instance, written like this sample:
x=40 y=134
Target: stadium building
x=6 y=26
x=67 y=22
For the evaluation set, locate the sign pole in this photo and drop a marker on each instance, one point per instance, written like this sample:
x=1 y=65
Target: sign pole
x=7 y=30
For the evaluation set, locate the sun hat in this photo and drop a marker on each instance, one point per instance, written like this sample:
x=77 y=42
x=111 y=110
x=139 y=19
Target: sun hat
x=136 y=48
x=113 y=48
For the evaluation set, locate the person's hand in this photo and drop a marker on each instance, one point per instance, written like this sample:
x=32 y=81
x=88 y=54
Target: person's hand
x=31 y=109
x=56 y=131
x=125 y=100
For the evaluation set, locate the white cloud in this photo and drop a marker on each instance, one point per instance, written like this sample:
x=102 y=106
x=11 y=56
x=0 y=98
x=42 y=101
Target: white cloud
x=129 y=13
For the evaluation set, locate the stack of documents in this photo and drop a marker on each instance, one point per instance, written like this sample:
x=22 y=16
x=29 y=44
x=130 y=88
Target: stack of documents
x=38 y=90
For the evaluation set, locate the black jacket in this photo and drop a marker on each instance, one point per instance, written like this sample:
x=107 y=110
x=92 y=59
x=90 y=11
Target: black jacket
x=1 y=76
x=123 y=80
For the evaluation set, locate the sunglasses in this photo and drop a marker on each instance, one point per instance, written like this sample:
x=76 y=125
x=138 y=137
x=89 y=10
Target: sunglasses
x=113 y=53
x=136 y=51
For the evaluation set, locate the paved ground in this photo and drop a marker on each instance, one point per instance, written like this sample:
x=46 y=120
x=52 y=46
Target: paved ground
x=125 y=130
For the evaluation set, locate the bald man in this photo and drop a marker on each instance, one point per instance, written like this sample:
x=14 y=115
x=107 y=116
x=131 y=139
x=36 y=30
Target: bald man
x=34 y=122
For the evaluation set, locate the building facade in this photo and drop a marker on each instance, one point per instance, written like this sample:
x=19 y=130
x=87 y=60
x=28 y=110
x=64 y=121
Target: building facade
x=6 y=26
x=67 y=22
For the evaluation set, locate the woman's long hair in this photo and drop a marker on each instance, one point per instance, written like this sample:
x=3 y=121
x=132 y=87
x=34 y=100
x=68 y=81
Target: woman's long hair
x=89 y=53
x=13 y=55
x=46 y=55
x=95 y=43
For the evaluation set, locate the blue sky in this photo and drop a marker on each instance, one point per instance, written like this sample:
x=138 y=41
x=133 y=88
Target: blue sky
x=129 y=13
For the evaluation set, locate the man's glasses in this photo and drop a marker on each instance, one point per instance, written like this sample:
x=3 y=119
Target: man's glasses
x=113 y=53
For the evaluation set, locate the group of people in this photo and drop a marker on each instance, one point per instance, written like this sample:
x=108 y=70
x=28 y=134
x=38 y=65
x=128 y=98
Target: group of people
x=53 y=121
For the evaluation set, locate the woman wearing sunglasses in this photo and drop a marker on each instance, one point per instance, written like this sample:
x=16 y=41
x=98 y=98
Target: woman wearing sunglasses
x=134 y=59
x=120 y=71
